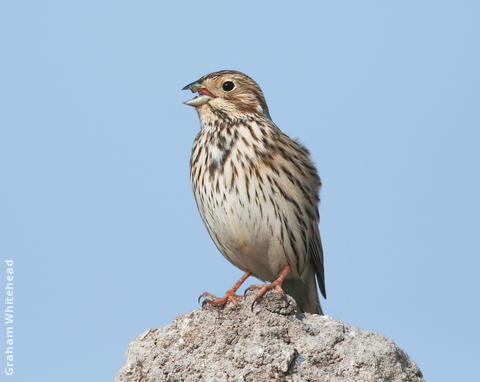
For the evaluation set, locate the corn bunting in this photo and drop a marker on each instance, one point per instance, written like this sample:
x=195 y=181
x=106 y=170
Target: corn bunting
x=256 y=190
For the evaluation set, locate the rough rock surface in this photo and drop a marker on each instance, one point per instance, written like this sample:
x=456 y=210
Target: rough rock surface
x=272 y=343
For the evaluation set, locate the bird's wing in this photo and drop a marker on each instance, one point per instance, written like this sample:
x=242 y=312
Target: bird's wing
x=316 y=256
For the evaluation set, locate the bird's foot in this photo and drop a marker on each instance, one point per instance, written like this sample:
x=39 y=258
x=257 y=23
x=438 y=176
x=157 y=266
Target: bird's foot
x=229 y=296
x=263 y=288
x=217 y=301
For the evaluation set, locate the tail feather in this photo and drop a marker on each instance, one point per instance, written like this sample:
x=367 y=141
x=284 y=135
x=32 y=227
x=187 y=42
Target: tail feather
x=305 y=293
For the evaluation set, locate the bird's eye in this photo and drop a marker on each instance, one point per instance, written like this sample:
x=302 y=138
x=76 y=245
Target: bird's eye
x=228 y=86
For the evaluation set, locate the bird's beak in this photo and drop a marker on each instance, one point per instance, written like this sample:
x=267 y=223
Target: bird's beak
x=204 y=96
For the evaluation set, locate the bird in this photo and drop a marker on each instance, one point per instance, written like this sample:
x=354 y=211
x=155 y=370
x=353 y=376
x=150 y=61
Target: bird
x=257 y=192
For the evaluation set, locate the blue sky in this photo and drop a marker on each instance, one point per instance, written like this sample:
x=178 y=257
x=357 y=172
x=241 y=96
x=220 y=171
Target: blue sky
x=95 y=201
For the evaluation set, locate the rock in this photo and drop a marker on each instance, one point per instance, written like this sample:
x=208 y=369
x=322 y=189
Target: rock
x=271 y=343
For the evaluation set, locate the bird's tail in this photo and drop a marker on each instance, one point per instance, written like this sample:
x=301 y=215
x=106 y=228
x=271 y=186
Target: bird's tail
x=304 y=291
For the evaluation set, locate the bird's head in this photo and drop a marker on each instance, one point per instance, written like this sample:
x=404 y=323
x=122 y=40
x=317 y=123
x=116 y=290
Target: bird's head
x=229 y=92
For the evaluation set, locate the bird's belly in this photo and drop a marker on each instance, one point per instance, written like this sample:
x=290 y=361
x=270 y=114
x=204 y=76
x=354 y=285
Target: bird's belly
x=246 y=235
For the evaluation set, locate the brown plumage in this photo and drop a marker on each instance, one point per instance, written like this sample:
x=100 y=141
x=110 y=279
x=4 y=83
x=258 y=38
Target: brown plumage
x=256 y=190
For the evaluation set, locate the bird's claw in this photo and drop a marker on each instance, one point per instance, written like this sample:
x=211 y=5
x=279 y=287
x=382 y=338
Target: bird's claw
x=217 y=301
x=276 y=285
x=205 y=295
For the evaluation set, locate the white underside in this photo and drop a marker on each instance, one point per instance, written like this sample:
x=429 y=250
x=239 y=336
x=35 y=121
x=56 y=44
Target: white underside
x=244 y=237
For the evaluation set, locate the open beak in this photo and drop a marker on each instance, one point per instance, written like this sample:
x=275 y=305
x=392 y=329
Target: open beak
x=203 y=97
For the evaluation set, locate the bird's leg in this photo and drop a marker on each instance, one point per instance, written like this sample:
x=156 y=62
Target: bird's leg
x=276 y=285
x=229 y=295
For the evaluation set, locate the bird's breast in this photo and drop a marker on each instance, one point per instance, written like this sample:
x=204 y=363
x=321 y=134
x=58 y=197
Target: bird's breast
x=231 y=189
